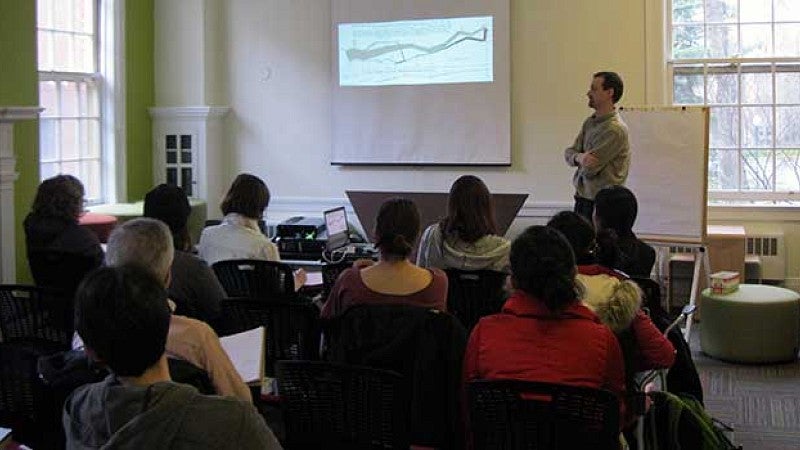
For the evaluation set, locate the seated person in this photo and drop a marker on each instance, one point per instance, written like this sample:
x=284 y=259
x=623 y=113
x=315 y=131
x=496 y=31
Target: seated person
x=193 y=286
x=148 y=243
x=122 y=315
x=466 y=238
x=60 y=251
x=615 y=209
x=544 y=333
x=238 y=236
x=614 y=298
x=393 y=279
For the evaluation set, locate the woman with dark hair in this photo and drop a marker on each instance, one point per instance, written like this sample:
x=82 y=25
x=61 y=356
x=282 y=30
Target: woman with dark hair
x=467 y=237
x=544 y=333
x=393 y=279
x=615 y=209
x=193 y=286
x=238 y=236
x=615 y=299
x=60 y=251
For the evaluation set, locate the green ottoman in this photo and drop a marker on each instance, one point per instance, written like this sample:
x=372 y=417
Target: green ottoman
x=756 y=324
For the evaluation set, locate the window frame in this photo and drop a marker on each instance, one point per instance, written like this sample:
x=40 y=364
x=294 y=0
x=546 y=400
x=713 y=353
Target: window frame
x=673 y=65
x=110 y=83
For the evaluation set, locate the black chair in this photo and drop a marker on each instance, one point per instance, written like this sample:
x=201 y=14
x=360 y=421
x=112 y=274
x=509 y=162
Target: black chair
x=338 y=406
x=29 y=313
x=512 y=414
x=292 y=327
x=425 y=346
x=61 y=270
x=474 y=294
x=263 y=280
x=27 y=406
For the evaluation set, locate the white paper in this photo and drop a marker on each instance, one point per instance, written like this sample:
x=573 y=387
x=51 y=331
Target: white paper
x=313 y=279
x=246 y=351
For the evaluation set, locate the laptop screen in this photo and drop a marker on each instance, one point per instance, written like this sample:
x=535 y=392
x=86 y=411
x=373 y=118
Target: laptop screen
x=336 y=225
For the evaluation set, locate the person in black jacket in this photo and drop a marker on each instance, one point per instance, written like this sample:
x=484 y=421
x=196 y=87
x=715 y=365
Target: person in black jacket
x=60 y=251
x=615 y=210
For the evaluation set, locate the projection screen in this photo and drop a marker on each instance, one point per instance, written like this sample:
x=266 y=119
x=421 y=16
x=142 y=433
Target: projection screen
x=420 y=82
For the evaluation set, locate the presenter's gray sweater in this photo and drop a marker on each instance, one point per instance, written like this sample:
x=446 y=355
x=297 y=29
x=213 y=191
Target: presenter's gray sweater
x=607 y=137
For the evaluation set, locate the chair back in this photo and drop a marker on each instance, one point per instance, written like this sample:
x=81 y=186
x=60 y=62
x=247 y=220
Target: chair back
x=425 y=346
x=263 y=280
x=292 y=327
x=60 y=270
x=26 y=405
x=472 y=294
x=339 y=406
x=30 y=313
x=512 y=414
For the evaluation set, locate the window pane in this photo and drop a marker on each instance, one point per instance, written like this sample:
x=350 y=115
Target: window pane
x=687 y=88
x=724 y=131
x=90 y=176
x=84 y=54
x=788 y=176
x=687 y=41
x=755 y=10
x=63 y=54
x=92 y=149
x=48 y=98
x=722 y=41
x=787 y=10
x=48 y=138
x=787 y=39
x=757 y=126
x=45 y=49
x=757 y=88
x=84 y=16
x=756 y=40
x=49 y=170
x=757 y=170
x=62 y=15
x=721 y=11
x=73 y=168
x=69 y=99
x=723 y=169
x=787 y=127
x=93 y=99
x=687 y=11
x=722 y=88
x=69 y=139
x=44 y=13
x=787 y=87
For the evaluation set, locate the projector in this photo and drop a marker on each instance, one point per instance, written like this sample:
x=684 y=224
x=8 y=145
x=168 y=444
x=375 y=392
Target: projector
x=301 y=238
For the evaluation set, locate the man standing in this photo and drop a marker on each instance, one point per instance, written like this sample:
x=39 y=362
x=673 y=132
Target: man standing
x=601 y=151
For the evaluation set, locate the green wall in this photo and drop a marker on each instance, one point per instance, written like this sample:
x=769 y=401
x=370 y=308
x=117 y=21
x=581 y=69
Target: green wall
x=19 y=87
x=140 y=95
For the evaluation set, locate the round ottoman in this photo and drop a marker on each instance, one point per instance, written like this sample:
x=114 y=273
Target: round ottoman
x=756 y=324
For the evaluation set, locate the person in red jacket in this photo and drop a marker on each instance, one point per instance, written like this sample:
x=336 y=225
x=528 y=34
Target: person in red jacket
x=544 y=333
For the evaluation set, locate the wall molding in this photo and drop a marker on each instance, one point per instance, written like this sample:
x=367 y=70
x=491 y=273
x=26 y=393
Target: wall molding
x=189 y=112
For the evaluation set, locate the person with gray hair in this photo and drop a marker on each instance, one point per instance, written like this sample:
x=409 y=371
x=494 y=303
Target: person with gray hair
x=147 y=243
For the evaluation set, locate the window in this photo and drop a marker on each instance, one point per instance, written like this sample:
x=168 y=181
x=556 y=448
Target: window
x=73 y=136
x=742 y=59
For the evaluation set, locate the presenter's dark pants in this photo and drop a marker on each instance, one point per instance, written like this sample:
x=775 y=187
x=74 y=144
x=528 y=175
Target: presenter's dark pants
x=584 y=207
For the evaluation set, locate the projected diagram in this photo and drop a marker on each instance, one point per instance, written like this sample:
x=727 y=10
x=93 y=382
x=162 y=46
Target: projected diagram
x=412 y=52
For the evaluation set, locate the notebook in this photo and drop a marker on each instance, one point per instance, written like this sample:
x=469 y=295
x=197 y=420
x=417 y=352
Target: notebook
x=246 y=351
x=337 y=228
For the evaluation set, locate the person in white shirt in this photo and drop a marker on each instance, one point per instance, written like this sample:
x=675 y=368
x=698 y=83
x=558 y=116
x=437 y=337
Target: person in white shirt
x=238 y=236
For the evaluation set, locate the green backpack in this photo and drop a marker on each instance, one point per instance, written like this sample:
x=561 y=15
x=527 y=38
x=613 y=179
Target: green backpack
x=681 y=423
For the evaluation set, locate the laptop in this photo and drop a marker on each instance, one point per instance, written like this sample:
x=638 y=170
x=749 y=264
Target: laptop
x=337 y=228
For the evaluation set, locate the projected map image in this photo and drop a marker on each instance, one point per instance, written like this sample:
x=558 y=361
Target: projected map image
x=411 y=52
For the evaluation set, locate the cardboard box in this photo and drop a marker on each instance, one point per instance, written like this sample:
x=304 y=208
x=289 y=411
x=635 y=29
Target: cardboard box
x=724 y=282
